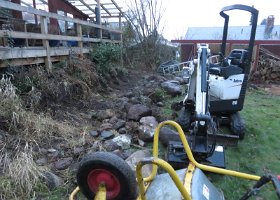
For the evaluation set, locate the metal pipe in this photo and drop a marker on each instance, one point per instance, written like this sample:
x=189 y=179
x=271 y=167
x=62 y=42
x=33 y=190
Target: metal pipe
x=73 y=194
x=168 y=168
x=225 y=32
x=190 y=155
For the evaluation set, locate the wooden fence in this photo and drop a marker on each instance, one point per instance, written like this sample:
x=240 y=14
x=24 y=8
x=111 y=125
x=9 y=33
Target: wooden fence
x=45 y=53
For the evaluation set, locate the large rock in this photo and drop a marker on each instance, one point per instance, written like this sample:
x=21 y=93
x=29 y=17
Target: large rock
x=94 y=133
x=166 y=134
x=155 y=78
x=121 y=103
x=106 y=126
x=78 y=150
x=103 y=114
x=113 y=120
x=123 y=141
x=137 y=111
x=119 y=124
x=107 y=135
x=136 y=157
x=110 y=145
x=121 y=154
x=42 y=161
x=147 y=128
x=180 y=80
x=52 y=154
x=53 y=181
x=63 y=163
x=131 y=127
x=172 y=87
x=122 y=131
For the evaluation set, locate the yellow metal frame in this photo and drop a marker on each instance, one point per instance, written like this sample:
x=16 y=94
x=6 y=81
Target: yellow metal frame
x=188 y=177
x=100 y=195
x=157 y=162
x=166 y=166
x=74 y=193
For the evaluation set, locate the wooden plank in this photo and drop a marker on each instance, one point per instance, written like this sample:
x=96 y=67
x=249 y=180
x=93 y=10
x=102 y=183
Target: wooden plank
x=29 y=61
x=83 y=2
x=98 y=19
x=13 y=53
x=31 y=52
x=15 y=34
x=39 y=36
x=20 y=62
x=44 y=30
x=113 y=16
x=14 y=6
x=117 y=6
x=66 y=51
x=79 y=33
x=25 y=30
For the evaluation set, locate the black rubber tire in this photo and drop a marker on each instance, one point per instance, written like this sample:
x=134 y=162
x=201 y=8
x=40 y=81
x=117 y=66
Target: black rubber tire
x=116 y=165
x=184 y=119
x=237 y=125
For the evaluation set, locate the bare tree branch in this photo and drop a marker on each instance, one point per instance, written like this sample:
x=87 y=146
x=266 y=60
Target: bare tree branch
x=145 y=16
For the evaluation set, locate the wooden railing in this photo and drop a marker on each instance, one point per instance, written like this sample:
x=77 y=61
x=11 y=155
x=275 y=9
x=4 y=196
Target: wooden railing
x=44 y=35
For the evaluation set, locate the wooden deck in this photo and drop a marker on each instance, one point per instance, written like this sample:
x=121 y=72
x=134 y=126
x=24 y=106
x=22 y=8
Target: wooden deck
x=45 y=53
x=16 y=56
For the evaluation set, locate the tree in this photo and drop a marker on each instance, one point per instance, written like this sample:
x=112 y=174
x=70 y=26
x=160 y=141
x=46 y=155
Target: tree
x=145 y=20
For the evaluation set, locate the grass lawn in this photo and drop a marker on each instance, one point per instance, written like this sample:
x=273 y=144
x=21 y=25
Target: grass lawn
x=259 y=152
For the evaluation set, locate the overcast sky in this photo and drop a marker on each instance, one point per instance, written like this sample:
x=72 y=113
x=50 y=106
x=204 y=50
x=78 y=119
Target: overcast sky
x=181 y=14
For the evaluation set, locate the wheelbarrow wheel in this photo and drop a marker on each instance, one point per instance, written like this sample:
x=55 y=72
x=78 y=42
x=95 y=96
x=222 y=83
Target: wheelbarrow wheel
x=108 y=169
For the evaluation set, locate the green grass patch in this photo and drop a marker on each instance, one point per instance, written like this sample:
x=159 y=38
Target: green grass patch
x=259 y=152
x=166 y=110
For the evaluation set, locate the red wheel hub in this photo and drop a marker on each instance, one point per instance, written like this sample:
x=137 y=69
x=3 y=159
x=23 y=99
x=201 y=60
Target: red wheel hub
x=104 y=176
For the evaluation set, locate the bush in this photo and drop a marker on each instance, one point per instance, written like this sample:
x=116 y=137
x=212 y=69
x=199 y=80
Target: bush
x=106 y=56
x=158 y=95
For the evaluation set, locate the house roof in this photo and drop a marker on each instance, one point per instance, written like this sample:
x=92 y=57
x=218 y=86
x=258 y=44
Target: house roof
x=234 y=33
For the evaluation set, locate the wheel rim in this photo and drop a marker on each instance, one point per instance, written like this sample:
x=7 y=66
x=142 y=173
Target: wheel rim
x=98 y=176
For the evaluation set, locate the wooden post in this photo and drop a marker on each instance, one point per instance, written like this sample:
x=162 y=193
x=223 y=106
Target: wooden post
x=98 y=18
x=255 y=58
x=66 y=24
x=120 y=24
x=79 y=34
x=25 y=30
x=35 y=16
x=120 y=28
x=44 y=30
x=230 y=48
